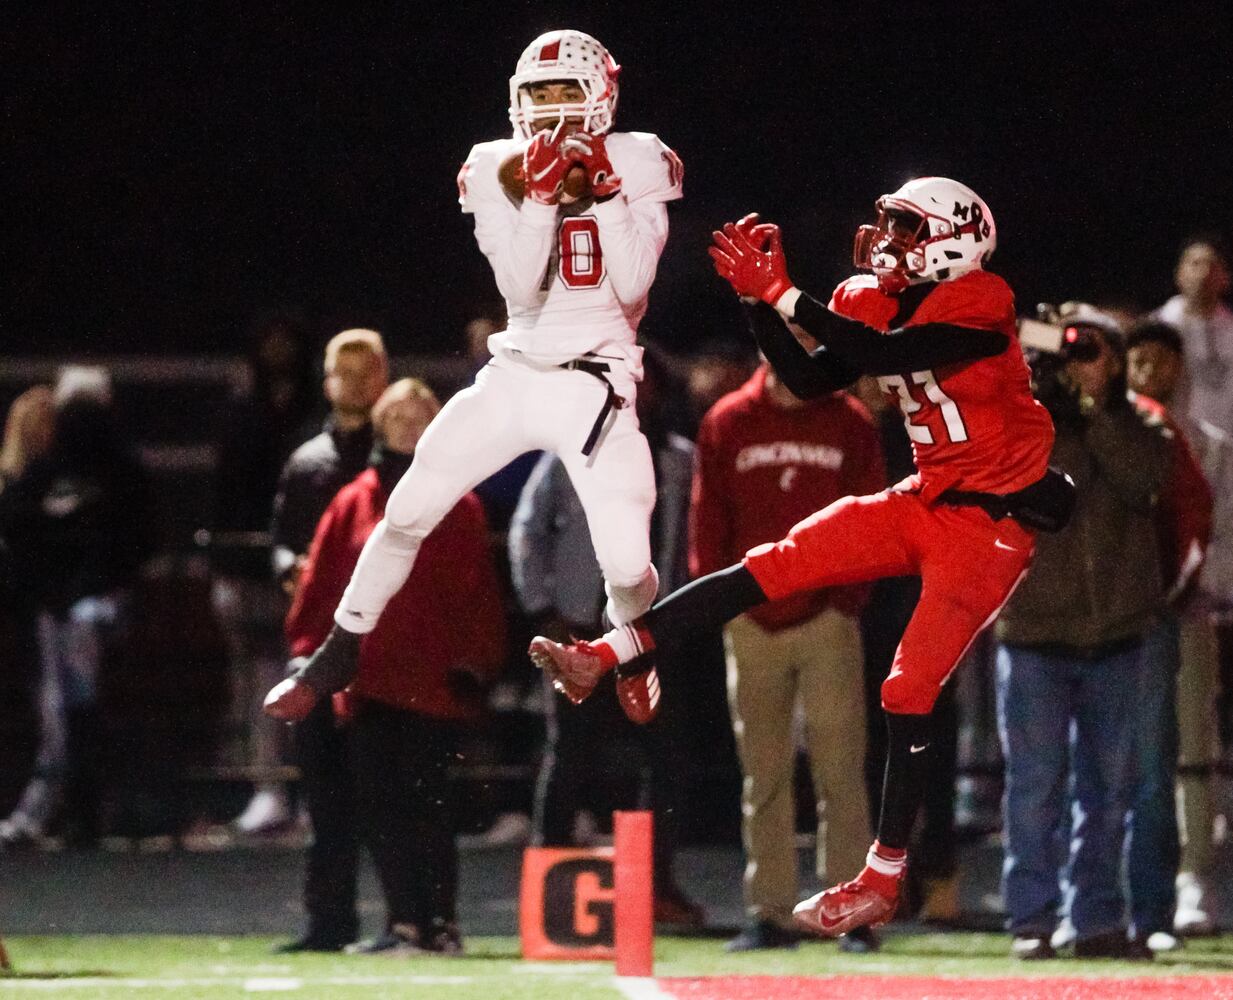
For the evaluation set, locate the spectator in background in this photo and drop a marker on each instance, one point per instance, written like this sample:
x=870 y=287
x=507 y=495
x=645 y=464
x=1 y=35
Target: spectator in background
x=767 y=460
x=716 y=369
x=476 y=333
x=1155 y=368
x=28 y=429
x=1183 y=526
x=77 y=518
x=422 y=673
x=1071 y=644
x=356 y=373
x=559 y=585
x=260 y=427
x=500 y=491
x=1203 y=405
x=1204 y=396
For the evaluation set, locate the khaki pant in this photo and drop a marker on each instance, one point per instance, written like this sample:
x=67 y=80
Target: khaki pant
x=820 y=663
x=1196 y=717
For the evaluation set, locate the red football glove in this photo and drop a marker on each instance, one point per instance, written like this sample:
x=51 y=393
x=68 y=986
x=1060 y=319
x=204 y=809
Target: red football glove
x=755 y=230
x=594 y=157
x=544 y=165
x=749 y=254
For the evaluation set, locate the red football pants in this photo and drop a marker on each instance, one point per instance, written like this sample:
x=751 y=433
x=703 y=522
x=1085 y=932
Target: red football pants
x=968 y=563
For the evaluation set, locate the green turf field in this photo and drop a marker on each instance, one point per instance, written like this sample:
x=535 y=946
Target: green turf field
x=942 y=966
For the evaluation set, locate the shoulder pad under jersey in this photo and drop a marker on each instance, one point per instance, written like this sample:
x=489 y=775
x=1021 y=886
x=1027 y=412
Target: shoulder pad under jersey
x=477 y=178
x=648 y=168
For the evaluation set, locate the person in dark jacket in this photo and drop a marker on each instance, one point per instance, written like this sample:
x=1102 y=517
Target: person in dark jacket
x=1071 y=641
x=77 y=520
x=356 y=373
x=422 y=672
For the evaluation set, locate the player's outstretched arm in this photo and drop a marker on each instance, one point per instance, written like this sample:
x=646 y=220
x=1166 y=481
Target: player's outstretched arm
x=808 y=375
x=749 y=254
x=909 y=349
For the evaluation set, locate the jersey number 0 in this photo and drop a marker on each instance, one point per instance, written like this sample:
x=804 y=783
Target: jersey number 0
x=580 y=260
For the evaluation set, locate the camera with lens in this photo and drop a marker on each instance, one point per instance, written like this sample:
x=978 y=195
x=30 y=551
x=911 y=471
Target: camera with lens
x=1065 y=333
x=1072 y=331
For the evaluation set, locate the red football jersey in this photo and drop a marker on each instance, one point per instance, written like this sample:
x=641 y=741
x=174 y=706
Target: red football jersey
x=973 y=425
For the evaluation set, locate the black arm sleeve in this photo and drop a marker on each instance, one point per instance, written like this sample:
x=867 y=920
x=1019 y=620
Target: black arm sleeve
x=909 y=349
x=807 y=375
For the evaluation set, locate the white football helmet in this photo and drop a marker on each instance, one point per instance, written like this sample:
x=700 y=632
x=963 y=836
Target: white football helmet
x=952 y=233
x=565 y=55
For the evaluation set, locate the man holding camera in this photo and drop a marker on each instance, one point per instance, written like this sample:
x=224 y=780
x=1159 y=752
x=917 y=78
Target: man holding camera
x=1070 y=646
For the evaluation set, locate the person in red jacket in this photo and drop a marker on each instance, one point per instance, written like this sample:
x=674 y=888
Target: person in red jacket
x=940 y=333
x=766 y=460
x=422 y=671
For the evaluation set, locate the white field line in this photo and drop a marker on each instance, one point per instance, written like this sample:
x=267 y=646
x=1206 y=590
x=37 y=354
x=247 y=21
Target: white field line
x=250 y=983
x=640 y=988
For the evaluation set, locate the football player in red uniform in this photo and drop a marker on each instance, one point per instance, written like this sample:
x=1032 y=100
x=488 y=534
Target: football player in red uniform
x=940 y=334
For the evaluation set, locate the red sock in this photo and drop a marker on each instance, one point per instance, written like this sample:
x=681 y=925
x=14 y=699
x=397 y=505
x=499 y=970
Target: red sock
x=884 y=868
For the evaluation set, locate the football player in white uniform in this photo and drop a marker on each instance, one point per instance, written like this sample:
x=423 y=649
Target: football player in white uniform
x=575 y=270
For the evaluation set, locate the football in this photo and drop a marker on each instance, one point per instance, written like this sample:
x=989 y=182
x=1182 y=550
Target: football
x=577 y=186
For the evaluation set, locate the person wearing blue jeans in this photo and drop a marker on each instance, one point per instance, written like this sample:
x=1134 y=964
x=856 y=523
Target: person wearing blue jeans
x=1057 y=712
x=1070 y=657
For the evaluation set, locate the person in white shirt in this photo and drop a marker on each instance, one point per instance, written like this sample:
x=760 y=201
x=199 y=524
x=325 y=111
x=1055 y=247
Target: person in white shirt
x=1203 y=405
x=575 y=270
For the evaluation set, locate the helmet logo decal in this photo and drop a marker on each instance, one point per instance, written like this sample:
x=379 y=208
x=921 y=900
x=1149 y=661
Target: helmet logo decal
x=978 y=227
x=551 y=52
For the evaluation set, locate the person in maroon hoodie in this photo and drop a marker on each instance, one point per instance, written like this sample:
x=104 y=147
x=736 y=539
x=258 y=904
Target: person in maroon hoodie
x=421 y=674
x=766 y=460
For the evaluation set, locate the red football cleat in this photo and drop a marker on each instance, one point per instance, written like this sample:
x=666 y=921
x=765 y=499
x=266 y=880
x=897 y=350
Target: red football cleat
x=574 y=669
x=847 y=906
x=638 y=694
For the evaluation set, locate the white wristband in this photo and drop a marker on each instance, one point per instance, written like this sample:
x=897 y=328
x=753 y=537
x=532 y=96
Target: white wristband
x=785 y=305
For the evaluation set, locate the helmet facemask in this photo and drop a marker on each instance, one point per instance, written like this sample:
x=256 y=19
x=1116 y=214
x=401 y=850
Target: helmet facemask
x=892 y=247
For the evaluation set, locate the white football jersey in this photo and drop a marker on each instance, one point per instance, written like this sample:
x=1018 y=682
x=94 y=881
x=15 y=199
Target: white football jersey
x=573 y=281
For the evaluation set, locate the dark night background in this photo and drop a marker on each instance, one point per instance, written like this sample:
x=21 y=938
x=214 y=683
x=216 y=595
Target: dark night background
x=173 y=170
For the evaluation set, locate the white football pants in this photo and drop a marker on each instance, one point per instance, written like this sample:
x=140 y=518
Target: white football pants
x=513 y=408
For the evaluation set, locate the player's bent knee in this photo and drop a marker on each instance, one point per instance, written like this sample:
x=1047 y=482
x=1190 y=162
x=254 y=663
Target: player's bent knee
x=626 y=570
x=903 y=695
x=627 y=577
